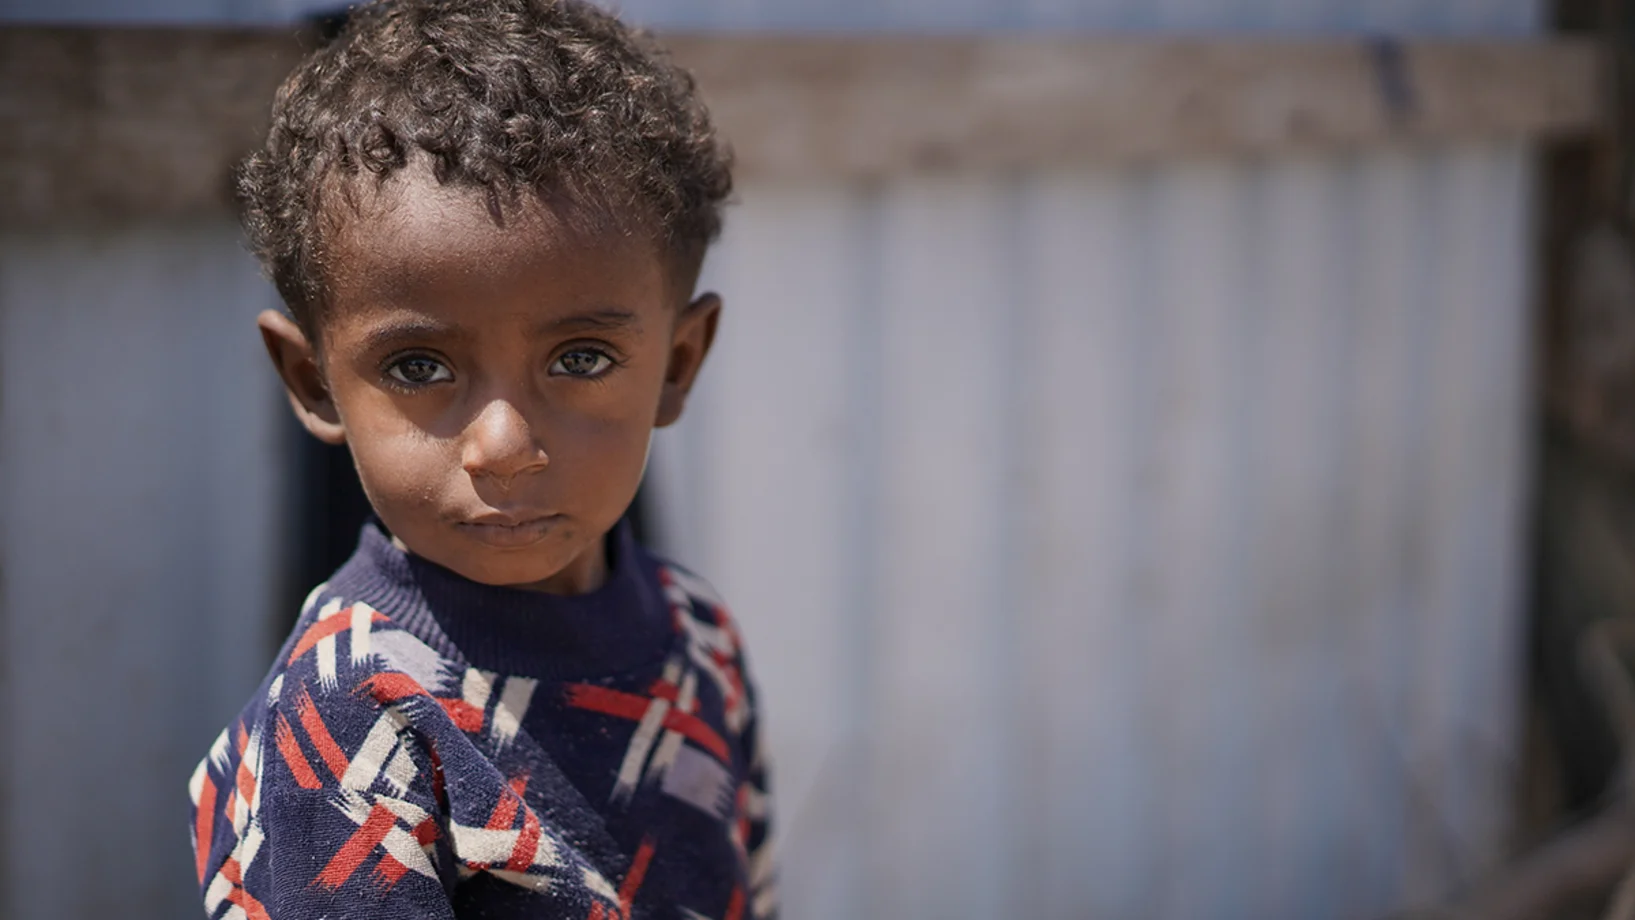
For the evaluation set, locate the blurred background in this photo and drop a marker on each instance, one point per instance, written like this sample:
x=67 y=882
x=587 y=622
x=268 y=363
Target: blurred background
x=1169 y=459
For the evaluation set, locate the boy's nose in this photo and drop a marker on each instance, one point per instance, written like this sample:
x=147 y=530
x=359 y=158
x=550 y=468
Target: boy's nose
x=500 y=445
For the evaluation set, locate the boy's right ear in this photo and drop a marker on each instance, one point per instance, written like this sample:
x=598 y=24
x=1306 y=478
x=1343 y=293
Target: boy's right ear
x=297 y=364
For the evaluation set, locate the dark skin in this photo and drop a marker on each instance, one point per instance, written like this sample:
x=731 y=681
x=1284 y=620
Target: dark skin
x=496 y=382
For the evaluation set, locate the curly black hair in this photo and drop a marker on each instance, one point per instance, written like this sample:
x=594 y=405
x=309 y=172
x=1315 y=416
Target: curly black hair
x=551 y=97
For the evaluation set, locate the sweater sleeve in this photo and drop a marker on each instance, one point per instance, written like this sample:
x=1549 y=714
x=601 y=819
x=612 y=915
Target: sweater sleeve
x=323 y=805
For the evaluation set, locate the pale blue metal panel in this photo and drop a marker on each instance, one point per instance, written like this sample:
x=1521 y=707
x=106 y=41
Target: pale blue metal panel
x=140 y=537
x=1167 y=522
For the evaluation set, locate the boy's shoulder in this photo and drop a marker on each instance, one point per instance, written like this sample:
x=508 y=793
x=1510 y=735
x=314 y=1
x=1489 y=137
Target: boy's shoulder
x=348 y=752
x=713 y=640
x=349 y=658
x=687 y=592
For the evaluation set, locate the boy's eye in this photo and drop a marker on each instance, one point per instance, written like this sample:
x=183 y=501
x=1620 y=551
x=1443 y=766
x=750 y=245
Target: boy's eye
x=418 y=370
x=582 y=362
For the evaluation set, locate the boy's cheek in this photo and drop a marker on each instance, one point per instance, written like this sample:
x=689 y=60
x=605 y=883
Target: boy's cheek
x=374 y=413
x=402 y=469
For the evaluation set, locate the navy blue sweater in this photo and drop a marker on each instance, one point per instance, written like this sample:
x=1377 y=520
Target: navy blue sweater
x=426 y=746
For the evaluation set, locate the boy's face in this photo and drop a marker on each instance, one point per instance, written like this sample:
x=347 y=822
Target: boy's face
x=497 y=386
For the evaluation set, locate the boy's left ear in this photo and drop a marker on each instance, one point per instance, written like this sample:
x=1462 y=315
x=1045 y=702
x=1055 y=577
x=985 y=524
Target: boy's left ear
x=695 y=332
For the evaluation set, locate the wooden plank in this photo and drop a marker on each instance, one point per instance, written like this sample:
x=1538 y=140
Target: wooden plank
x=118 y=123
x=879 y=105
x=124 y=123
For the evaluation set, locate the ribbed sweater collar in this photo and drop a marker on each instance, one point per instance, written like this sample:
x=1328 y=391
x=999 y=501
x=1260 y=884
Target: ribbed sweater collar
x=611 y=630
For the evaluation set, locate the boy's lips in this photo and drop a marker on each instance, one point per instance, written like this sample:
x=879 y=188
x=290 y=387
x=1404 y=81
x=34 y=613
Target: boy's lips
x=508 y=531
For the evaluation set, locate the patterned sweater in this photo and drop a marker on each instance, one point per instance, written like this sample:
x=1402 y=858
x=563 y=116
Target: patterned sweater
x=426 y=746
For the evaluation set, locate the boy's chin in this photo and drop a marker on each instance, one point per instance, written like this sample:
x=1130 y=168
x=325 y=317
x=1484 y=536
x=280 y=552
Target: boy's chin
x=551 y=565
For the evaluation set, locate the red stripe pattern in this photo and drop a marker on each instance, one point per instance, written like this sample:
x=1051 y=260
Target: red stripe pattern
x=632 y=707
x=357 y=848
x=290 y=750
x=325 y=628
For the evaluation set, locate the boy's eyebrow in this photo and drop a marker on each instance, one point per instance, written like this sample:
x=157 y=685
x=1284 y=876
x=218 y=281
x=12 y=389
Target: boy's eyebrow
x=408 y=329
x=602 y=318
x=393 y=331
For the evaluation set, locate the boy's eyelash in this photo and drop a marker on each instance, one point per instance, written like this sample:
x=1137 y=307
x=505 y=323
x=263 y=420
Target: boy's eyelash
x=397 y=360
x=597 y=347
x=613 y=357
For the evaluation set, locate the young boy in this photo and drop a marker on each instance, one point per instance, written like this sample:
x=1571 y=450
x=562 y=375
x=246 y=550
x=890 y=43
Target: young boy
x=487 y=219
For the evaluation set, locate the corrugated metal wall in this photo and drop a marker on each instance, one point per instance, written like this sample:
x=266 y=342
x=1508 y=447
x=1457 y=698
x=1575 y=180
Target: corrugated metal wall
x=143 y=476
x=1125 y=545
x=140 y=468
x=1136 y=543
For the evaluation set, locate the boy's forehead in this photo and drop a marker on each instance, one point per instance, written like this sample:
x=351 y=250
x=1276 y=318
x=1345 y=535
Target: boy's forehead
x=411 y=213
x=412 y=232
